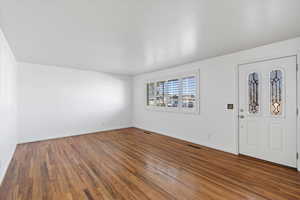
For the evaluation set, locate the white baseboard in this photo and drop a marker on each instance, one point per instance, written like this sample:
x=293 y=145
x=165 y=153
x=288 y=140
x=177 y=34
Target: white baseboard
x=63 y=135
x=203 y=144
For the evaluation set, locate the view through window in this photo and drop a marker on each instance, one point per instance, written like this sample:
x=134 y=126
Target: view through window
x=176 y=93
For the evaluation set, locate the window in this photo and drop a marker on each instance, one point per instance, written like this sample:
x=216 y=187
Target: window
x=173 y=93
x=177 y=93
x=189 y=92
x=276 y=92
x=160 y=93
x=253 y=90
x=151 y=94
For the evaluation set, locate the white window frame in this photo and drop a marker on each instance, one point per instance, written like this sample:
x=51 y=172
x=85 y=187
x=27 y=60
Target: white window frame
x=179 y=109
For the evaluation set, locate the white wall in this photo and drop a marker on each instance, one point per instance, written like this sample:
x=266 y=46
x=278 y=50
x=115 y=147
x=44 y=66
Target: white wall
x=57 y=102
x=215 y=126
x=8 y=105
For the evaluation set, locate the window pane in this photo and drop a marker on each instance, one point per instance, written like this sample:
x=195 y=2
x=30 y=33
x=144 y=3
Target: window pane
x=173 y=93
x=253 y=87
x=151 y=94
x=276 y=92
x=160 y=93
x=189 y=92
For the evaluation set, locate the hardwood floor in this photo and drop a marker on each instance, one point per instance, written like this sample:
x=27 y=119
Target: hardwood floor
x=131 y=164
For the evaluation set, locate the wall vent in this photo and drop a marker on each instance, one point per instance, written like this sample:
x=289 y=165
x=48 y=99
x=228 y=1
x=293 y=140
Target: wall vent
x=194 y=146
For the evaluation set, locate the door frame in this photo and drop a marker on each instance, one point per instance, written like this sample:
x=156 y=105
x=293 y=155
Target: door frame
x=236 y=111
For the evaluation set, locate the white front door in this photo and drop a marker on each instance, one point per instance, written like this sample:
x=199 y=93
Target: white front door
x=267 y=110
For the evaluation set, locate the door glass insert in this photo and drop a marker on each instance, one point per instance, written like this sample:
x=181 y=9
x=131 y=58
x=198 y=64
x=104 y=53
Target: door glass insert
x=253 y=89
x=276 y=92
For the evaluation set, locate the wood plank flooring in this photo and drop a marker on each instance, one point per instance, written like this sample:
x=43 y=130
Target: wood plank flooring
x=130 y=164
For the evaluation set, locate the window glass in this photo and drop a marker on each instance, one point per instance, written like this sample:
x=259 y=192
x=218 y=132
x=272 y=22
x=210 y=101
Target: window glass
x=189 y=92
x=161 y=93
x=150 y=94
x=253 y=90
x=173 y=93
x=276 y=92
x=179 y=93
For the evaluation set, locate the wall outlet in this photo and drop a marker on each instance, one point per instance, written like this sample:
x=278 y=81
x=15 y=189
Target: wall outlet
x=210 y=135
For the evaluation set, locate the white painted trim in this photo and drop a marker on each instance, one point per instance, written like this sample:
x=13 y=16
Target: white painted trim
x=212 y=146
x=270 y=58
x=236 y=111
x=298 y=106
x=75 y=134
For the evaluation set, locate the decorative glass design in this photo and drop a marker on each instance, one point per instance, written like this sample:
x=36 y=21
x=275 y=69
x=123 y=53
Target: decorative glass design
x=189 y=92
x=161 y=93
x=173 y=93
x=276 y=92
x=253 y=87
x=151 y=94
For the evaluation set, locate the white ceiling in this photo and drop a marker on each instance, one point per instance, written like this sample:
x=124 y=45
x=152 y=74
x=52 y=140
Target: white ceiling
x=135 y=36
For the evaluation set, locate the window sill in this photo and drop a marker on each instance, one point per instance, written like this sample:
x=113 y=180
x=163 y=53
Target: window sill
x=195 y=111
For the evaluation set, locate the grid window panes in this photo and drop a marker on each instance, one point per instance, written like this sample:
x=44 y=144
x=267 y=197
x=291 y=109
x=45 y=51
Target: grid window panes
x=161 y=93
x=177 y=93
x=151 y=94
x=189 y=92
x=173 y=93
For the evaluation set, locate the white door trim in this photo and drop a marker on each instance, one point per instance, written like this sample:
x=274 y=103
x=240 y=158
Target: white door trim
x=236 y=111
x=298 y=106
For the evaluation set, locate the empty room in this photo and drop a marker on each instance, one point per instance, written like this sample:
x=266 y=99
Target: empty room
x=149 y=100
